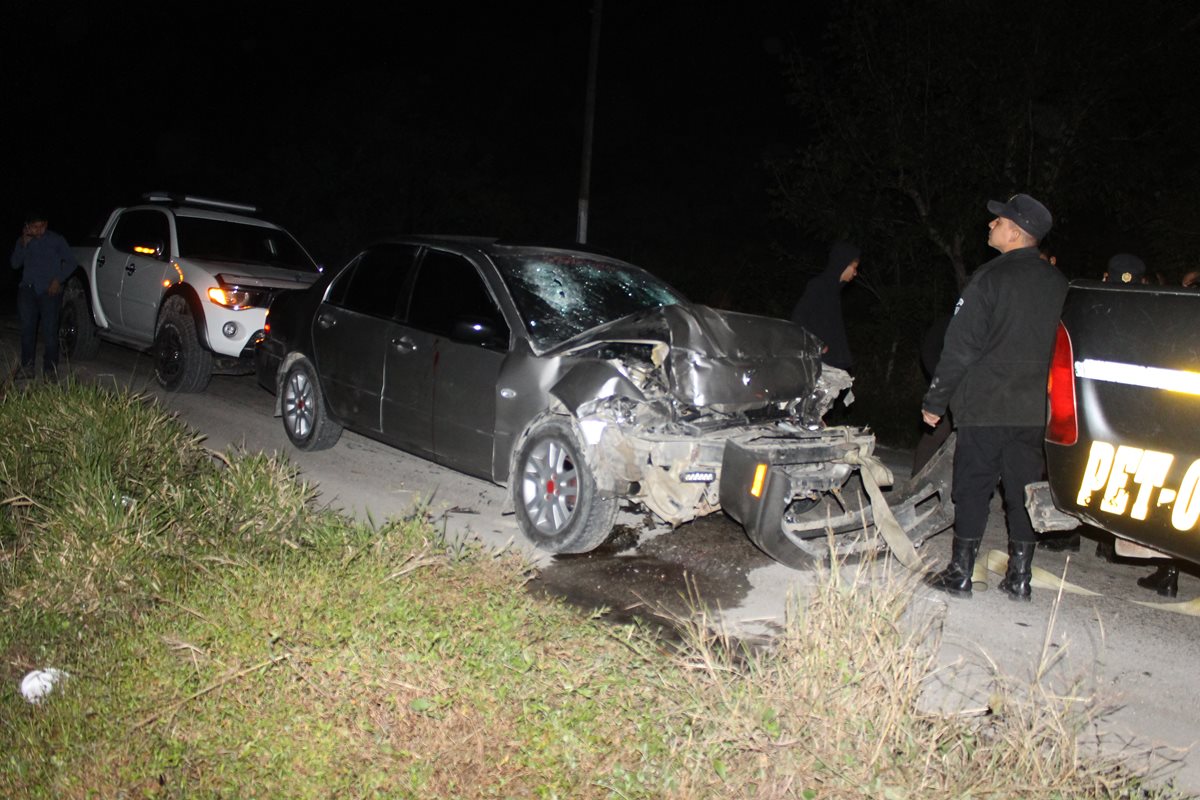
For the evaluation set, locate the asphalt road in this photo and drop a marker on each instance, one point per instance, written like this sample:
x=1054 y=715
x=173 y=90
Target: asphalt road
x=1137 y=653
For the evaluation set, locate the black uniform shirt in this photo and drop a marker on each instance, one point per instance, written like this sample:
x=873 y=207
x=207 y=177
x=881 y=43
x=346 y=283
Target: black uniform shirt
x=998 y=345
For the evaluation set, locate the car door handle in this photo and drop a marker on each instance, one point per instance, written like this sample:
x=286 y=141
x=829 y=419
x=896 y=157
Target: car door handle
x=404 y=345
x=326 y=321
x=99 y=261
x=130 y=268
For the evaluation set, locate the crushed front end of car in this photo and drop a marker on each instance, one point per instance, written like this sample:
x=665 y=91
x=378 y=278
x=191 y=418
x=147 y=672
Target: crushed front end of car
x=689 y=410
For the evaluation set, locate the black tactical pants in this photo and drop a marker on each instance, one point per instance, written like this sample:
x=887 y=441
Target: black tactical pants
x=1009 y=454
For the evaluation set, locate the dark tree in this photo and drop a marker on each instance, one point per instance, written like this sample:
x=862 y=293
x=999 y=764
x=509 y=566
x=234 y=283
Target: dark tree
x=919 y=111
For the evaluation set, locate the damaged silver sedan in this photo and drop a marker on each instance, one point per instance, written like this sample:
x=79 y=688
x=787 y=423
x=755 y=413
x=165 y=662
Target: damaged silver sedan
x=582 y=383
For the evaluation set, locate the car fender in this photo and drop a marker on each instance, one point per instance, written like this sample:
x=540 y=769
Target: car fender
x=588 y=381
x=188 y=293
x=572 y=385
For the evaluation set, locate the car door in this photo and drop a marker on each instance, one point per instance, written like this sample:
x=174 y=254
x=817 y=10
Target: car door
x=454 y=312
x=352 y=332
x=408 y=377
x=142 y=288
x=130 y=269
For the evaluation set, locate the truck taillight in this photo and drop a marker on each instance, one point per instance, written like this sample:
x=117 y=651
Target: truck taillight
x=1063 y=427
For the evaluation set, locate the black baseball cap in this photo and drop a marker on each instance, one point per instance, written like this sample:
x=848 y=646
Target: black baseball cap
x=1030 y=215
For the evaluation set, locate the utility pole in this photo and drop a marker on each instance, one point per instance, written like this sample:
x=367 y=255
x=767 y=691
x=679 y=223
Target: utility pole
x=589 y=122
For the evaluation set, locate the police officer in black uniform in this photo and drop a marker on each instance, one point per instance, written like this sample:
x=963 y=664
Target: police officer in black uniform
x=992 y=374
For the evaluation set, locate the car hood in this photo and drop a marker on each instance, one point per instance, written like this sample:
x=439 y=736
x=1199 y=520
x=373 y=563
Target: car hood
x=721 y=360
x=262 y=275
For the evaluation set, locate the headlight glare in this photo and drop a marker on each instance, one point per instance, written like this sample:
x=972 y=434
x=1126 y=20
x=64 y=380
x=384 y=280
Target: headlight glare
x=236 y=298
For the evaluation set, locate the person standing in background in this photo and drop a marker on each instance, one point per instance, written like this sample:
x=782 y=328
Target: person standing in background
x=45 y=262
x=1125 y=268
x=992 y=375
x=819 y=309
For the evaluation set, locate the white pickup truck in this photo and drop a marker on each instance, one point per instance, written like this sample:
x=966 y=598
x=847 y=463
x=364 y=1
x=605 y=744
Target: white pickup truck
x=187 y=278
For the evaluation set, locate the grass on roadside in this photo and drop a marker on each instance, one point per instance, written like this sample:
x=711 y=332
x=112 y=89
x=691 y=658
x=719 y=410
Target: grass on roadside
x=225 y=637
x=833 y=710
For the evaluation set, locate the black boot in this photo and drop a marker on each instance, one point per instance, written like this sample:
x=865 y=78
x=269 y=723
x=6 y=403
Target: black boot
x=1019 y=572
x=1164 y=580
x=1060 y=542
x=956 y=577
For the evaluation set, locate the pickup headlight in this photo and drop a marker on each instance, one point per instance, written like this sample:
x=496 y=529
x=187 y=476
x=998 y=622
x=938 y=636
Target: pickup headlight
x=237 y=298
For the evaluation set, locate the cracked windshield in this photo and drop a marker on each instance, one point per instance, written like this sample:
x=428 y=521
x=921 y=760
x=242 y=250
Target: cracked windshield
x=560 y=296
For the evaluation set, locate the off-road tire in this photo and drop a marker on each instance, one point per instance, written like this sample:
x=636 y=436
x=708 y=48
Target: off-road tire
x=306 y=420
x=557 y=504
x=181 y=364
x=77 y=339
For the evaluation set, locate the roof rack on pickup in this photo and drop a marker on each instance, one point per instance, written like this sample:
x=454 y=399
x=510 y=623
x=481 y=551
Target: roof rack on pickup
x=178 y=198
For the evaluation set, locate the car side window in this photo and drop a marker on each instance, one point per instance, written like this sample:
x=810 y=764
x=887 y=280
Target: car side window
x=374 y=283
x=451 y=299
x=138 y=230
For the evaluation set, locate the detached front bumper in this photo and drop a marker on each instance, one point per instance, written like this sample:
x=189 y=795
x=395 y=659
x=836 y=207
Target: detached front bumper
x=788 y=493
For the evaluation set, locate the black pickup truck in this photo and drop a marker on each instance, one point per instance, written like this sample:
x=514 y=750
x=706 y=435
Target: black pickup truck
x=1123 y=437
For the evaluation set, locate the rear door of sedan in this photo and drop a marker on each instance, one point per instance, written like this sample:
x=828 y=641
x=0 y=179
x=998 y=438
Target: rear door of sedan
x=353 y=332
x=454 y=319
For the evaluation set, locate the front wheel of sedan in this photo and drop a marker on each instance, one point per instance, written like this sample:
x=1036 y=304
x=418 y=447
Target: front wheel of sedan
x=305 y=418
x=554 y=492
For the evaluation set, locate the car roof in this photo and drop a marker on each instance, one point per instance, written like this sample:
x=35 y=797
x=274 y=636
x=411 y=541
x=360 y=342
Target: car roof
x=493 y=245
x=189 y=205
x=223 y=216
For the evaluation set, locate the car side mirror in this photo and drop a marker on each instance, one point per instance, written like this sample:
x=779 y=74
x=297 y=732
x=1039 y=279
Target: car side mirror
x=151 y=249
x=480 y=331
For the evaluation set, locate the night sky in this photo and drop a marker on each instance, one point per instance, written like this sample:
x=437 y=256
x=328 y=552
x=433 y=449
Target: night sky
x=324 y=116
x=467 y=118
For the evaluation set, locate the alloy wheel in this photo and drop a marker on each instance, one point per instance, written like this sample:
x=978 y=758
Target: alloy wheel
x=299 y=404
x=550 y=486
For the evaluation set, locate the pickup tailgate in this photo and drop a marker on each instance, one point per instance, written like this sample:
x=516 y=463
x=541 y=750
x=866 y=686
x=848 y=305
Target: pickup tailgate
x=1134 y=469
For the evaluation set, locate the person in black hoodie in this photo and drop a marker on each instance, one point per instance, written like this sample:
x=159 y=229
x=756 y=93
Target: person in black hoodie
x=819 y=309
x=992 y=374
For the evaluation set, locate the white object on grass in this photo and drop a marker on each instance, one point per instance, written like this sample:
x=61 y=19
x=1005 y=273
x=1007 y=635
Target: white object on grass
x=40 y=683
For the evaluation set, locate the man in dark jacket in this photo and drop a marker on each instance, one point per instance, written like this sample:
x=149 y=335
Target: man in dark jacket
x=992 y=374
x=820 y=307
x=45 y=262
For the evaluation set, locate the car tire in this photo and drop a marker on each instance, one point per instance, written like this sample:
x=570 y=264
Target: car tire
x=77 y=339
x=558 y=505
x=181 y=364
x=306 y=420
